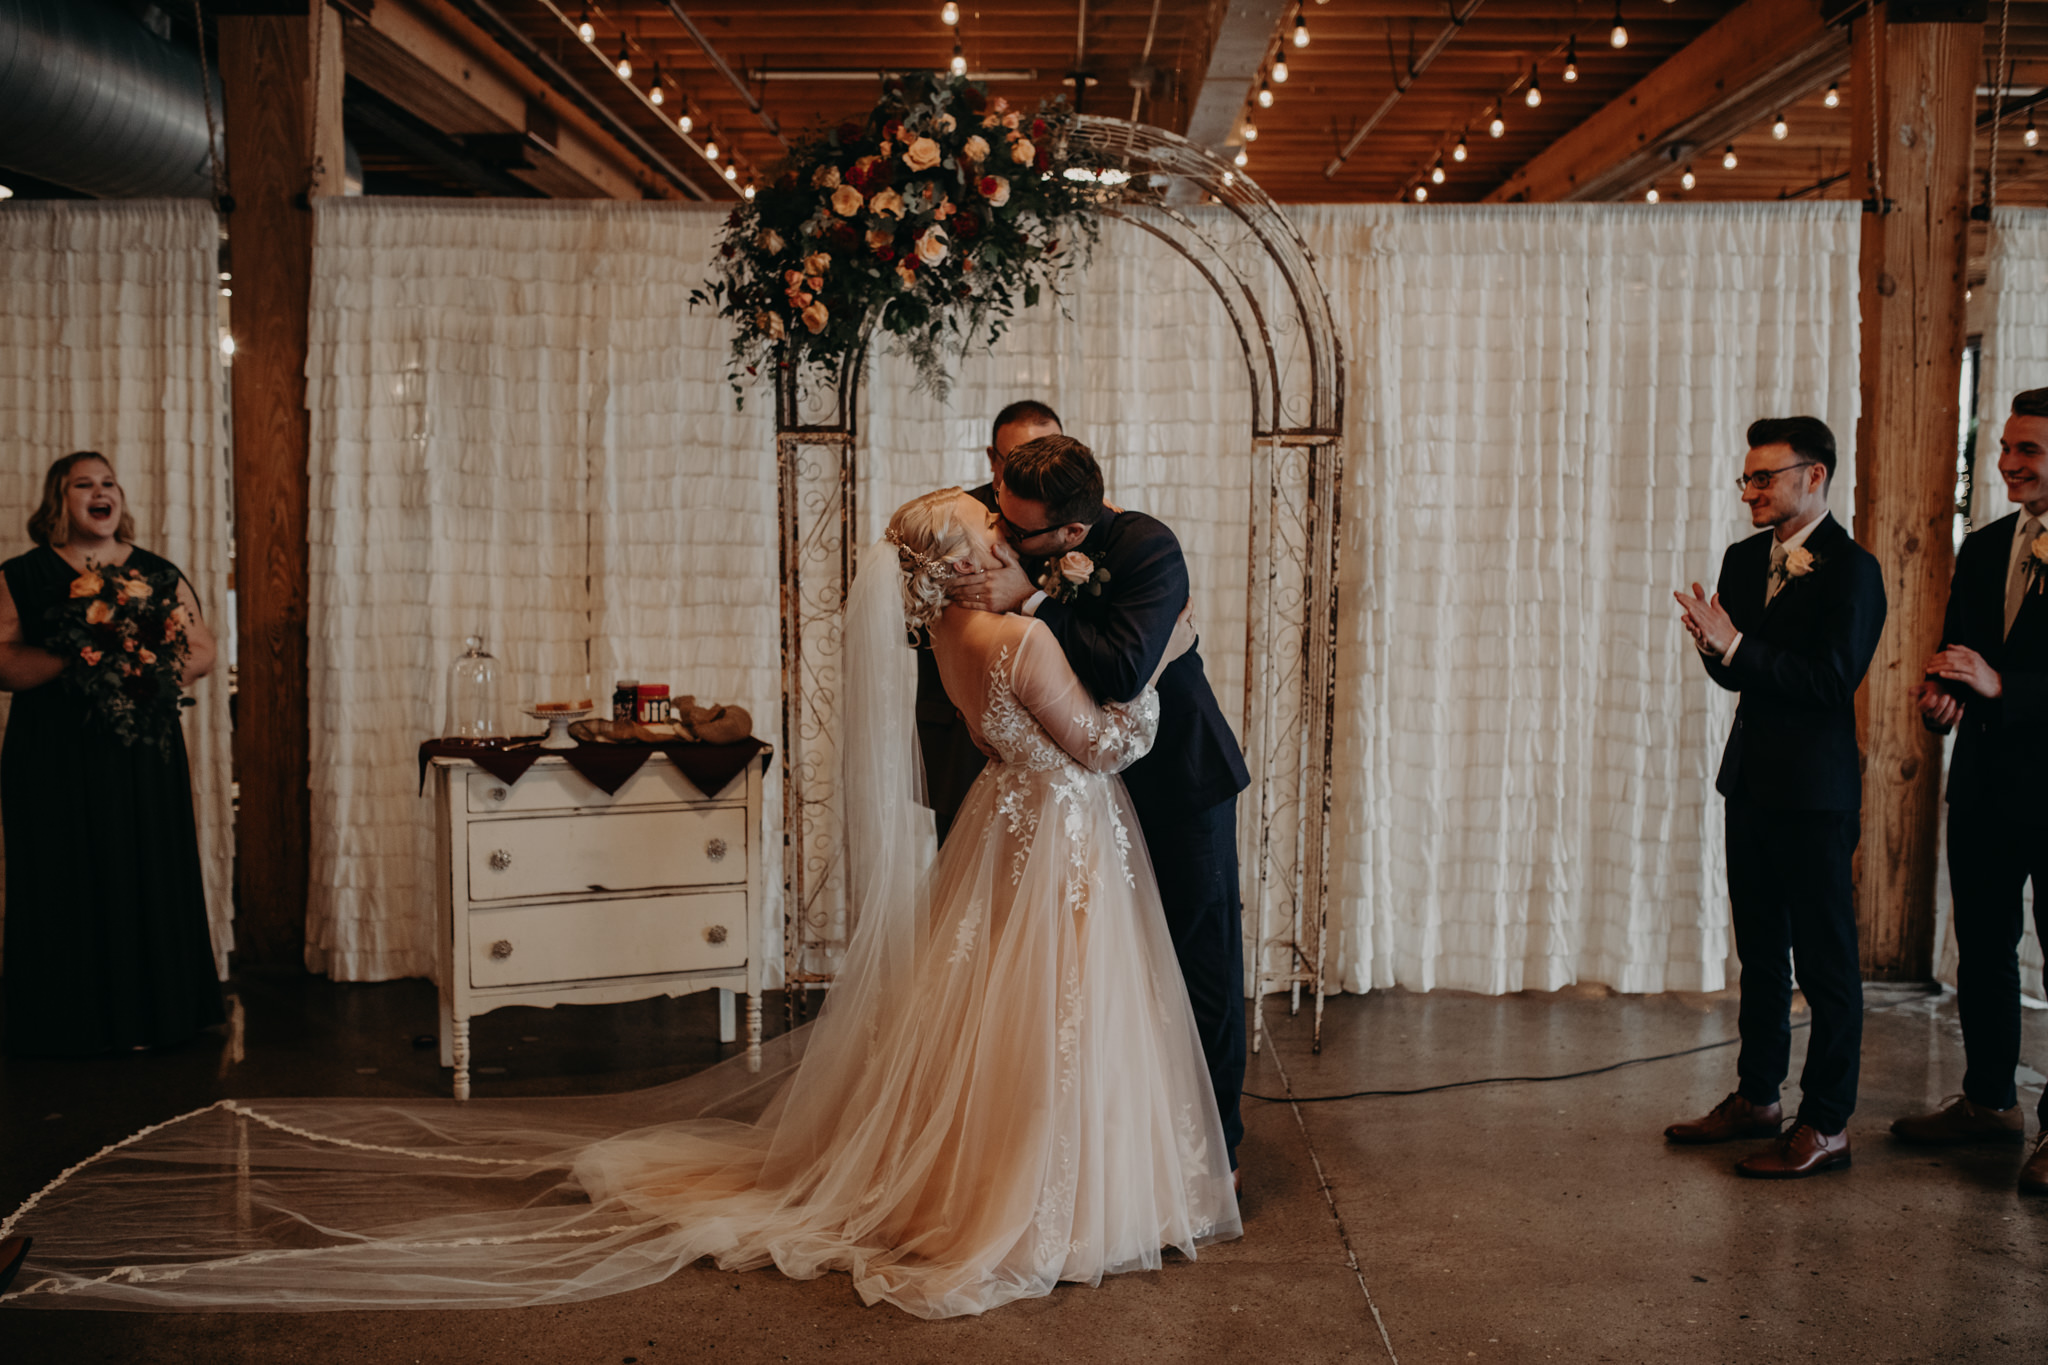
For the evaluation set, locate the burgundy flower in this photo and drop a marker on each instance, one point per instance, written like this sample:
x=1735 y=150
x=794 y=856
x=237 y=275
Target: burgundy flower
x=1039 y=130
x=1044 y=159
x=973 y=98
x=965 y=223
x=849 y=133
x=892 y=130
x=886 y=253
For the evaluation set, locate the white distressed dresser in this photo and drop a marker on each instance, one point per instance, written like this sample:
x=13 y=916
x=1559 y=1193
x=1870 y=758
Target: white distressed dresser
x=553 y=893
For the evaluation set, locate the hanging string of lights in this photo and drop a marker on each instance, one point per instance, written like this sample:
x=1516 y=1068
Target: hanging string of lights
x=656 y=97
x=1272 y=73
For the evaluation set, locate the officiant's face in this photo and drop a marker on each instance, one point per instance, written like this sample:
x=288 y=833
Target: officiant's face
x=1015 y=434
x=2023 y=461
x=1793 y=483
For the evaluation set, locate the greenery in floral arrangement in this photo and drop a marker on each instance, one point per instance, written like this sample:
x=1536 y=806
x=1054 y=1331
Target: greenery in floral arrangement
x=930 y=219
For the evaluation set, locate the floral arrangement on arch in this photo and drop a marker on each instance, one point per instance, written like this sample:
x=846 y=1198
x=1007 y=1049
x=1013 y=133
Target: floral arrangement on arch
x=931 y=218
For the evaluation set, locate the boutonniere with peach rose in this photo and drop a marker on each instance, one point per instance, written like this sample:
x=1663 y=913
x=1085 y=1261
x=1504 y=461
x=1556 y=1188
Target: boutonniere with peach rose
x=1071 y=575
x=931 y=219
x=1798 y=563
x=122 y=636
x=2036 y=563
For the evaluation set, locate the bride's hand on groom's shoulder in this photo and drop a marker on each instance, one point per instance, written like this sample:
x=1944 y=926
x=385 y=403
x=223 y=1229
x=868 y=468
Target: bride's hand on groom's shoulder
x=1003 y=588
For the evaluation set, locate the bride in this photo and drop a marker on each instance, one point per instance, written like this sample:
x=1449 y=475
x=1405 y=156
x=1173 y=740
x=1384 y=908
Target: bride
x=1004 y=1089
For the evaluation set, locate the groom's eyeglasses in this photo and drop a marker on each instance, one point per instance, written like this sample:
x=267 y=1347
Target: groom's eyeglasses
x=1021 y=534
x=1761 y=480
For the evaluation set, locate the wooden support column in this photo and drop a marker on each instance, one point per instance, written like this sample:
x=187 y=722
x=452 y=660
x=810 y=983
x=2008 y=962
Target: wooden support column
x=1921 y=108
x=282 y=80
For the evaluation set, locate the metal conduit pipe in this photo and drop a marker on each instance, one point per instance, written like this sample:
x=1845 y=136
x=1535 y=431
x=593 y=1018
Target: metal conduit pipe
x=93 y=100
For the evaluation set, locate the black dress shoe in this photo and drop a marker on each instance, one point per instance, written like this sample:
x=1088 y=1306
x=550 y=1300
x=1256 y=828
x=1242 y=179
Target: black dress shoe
x=13 y=1251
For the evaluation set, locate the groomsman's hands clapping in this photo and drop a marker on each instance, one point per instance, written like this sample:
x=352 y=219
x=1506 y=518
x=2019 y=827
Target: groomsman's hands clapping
x=1710 y=627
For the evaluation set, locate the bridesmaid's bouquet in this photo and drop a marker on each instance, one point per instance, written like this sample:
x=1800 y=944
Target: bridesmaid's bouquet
x=122 y=636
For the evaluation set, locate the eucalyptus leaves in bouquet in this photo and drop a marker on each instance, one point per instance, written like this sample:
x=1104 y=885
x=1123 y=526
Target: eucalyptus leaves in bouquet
x=931 y=219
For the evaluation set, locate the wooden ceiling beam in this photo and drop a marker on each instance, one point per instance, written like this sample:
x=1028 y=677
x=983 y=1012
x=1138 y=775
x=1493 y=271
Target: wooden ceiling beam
x=1759 y=58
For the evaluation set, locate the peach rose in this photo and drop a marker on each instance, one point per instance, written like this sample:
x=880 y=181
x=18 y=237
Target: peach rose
x=139 y=590
x=944 y=123
x=129 y=644
x=2040 y=547
x=98 y=614
x=90 y=655
x=996 y=190
x=1798 y=562
x=1011 y=120
x=945 y=210
x=770 y=241
x=770 y=322
x=906 y=273
x=991 y=120
x=932 y=246
x=887 y=201
x=975 y=149
x=921 y=155
x=817 y=263
x=1076 y=567
x=87 y=585
x=815 y=318
x=146 y=656
x=880 y=237
x=1021 y=151
x=825 y=178
x=846 y=201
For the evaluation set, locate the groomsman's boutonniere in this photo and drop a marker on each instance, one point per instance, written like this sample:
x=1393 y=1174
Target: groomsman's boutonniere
x=1072 y=574
x=2037 y=563
x=1798 y=563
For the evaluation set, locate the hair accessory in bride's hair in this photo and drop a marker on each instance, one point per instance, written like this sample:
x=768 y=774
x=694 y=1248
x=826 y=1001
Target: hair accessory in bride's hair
x=925 y=574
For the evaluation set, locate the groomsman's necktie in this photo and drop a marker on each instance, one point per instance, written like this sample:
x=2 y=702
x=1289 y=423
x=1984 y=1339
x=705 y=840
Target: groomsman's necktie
x=1776 y=578
x=2017 y=581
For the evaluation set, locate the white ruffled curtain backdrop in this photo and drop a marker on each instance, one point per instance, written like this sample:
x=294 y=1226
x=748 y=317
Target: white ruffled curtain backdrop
x=1546 y=409
x=519 y=431
x=109 y=341
x=1545 y=421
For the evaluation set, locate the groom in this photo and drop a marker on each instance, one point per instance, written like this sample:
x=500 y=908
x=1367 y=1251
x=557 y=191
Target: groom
x=1185 y=790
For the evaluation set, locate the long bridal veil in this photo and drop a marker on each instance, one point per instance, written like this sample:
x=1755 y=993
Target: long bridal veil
x=391 y=1203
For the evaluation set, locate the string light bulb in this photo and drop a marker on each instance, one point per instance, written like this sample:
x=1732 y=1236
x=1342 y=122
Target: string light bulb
x=1422 y=194
x=1241 y=158
x=1728 y=158
x=586 y=30
x=1833 y=98
x=2032 y=137
x=1618 y=35
x=749 y=192
x=625 y=63
x=1300 y=28
x=1688 y=180
x=711 y=149
x=1279 y=71
x=959 y=61
x=732 y=172
x=1497 y=125
x=1265 y=95
x=1779 y=128
x=684 y=123
x=1533 y=96
x=1460 y=152
x=1251 y=130
x=1571 y=59
x=1436 y=172
x=1651 y=197
x=655 y=96
x=949 y=14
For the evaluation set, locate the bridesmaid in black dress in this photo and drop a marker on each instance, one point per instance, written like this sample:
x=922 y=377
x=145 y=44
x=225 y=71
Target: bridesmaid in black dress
x=107 y=944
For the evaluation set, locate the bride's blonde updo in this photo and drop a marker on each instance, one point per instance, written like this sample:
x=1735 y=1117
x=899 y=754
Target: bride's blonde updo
x=928 y=535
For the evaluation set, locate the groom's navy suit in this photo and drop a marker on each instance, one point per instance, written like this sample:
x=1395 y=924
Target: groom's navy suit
x=1185 y=790
x=1792 y=776
x=952 y=760
x=1997 y=834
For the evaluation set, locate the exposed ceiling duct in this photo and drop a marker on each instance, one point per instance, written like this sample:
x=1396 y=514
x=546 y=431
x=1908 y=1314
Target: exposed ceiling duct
x=93 y=99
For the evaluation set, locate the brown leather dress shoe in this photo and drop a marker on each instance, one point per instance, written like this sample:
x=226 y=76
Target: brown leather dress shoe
x=1961 y=1121
x=1803 y=1151
x=1732 y=1119
x=2034 y=1175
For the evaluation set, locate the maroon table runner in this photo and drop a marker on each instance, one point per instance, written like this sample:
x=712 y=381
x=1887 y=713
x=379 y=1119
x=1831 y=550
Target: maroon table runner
x=708 y=766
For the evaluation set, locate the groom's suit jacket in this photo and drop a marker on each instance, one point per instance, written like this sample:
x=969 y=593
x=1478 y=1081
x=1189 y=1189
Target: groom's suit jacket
x=1802 y=656
x=951 y=759
x=1999 y=741
x=1114 y=641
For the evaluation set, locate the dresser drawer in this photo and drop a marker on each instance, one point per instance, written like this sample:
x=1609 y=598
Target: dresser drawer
x=549 y=787
x=526 y=944
x=572 y=855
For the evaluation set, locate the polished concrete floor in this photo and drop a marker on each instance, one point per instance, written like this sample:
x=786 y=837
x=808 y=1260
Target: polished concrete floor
x=1506 y=1222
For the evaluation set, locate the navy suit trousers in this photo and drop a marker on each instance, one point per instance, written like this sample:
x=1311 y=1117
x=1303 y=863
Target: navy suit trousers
x=1789 y=889
x=1992 y=851
x=1194 y=856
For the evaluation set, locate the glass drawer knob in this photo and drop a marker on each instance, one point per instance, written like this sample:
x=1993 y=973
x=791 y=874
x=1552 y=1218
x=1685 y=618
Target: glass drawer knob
x=715 y=934
x=715 y=850
x=498 y=793
x=500 y=859
x=502 y=948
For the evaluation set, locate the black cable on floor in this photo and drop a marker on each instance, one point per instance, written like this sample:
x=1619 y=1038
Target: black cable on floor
x=1527 y=1080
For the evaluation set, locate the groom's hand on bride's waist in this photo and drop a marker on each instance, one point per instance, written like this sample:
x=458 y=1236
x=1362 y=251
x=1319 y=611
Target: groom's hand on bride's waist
x=1003 y=588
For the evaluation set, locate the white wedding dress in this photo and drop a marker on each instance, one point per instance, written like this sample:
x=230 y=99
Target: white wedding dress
x=1004 y=1089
